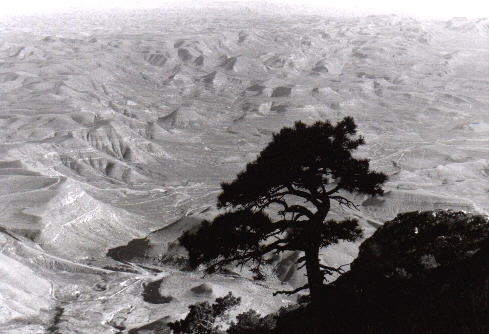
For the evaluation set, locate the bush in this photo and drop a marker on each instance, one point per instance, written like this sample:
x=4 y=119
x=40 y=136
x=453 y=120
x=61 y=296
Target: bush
x=251 y=322
x=202 y=317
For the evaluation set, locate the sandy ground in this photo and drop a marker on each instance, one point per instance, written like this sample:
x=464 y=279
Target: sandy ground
x=113 y=126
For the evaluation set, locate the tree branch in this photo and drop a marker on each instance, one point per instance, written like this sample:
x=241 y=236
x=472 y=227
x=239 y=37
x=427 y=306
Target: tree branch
x=286 y=223
x=332 y=191
x=256 y=254
x=291 y=292
x=304 y=194
x=330 y=270
x=301 y=210
x=345 y=201
x=323 y=189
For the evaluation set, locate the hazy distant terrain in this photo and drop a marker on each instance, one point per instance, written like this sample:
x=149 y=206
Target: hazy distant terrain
x=114 y=126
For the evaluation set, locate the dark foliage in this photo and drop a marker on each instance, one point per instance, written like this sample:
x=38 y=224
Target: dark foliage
x=252 y=323
x=414 y=243
x=306 y=157
x=202 y=316
x=422 y=272
x=294 y=179
x=227 y=236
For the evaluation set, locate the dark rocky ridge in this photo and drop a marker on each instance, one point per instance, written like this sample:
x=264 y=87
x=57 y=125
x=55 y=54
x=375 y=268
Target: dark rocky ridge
x=413 y=244
x=422 y=272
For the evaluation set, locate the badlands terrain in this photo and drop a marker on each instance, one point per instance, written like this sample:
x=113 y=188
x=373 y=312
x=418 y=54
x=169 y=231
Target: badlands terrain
x=121 y=126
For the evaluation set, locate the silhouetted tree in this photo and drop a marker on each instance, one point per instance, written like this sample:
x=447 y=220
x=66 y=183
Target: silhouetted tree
x=281 y=201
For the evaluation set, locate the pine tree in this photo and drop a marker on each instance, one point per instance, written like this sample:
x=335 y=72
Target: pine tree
x=281 y=200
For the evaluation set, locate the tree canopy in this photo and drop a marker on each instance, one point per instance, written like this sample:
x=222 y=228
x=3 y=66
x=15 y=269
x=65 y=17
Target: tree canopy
x=281 y=200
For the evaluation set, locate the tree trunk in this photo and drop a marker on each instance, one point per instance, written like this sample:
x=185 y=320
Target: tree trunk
x=314 y=275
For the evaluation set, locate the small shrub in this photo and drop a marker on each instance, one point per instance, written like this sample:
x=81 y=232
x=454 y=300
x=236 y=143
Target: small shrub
x=251 y=322
x=202 y=317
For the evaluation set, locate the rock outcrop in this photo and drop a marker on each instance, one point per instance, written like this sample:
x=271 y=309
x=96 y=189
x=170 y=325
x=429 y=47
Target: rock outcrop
x=422 y=272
